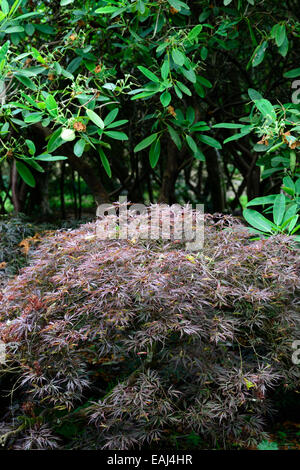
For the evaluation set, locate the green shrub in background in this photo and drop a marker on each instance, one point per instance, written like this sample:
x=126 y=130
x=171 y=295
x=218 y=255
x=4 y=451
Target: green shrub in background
x=135 y=95
x=285 y=210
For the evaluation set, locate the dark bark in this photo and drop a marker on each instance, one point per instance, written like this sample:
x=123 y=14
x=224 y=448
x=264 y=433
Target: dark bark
x=79 y=197
x=39 y=195
x=74 y=195
x=6 y=191
x=88 y=174
x=167 y=192
x=215 y=181
x=14 y=188
x=253 y=183
x=85 y=170
x=62 y=190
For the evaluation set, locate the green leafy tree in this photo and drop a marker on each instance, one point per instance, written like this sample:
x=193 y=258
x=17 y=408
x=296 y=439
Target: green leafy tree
x=133 y=95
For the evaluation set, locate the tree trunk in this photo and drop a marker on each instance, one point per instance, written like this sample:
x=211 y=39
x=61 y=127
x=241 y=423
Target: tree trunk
x=14 y=188
x=88 y=174
x=86 y=171
x=215 y=181
x=167 y=192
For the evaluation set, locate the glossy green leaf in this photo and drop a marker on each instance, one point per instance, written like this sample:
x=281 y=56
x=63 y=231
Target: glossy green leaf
x=190 y=115
x=105 y=162
x=290 y=212
x=228 y=125
x=5 y=6
x=149 y=74
x=292 y=73
x=154 y=153
x=257 y=220
x=175 y=137
x=54 y=141
x=25 y=174
x=95 y=118
x=278 y=209
x=165 y=98
x=262 y=200
x=280 y=35
x=27 y=82
x=259 y=54
x=63 y=3
x=184 y=88
x=14 y=29
x=31 y=146
x=189 y=74
x=254 y=95
x=194 y=33
x=106 y=10
x=116 y=135
x=178 y=57
x=292 y=223
x=111 y=116
x=165 y=69
x=31 y=162
x=266 y=108
x=204 y=81
x=145 y=143
x=191 y=143
x=237 y=136
x=47 y=157
x=79 y=147
x=209 y=141
x=204 y=53
x=116 y=123
x=33 y=117
x=289 y=183
x=51 y=106
x=3 y=50
x=178 y=5
x=178 y=92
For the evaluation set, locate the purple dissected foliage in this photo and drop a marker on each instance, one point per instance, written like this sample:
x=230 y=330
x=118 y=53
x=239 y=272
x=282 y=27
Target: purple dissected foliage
x=145 y=340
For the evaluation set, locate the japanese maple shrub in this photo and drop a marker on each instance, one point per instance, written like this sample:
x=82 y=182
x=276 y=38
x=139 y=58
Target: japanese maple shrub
x=137 y=341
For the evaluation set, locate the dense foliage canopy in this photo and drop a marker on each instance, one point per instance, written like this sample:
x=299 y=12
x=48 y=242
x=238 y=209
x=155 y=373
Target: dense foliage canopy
x=162 y=101
x=133 y=343
x=126 y=343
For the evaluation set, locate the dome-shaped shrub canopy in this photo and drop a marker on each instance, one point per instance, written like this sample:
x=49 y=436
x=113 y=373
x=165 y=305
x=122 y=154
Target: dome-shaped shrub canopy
x=136 y=341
